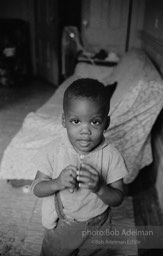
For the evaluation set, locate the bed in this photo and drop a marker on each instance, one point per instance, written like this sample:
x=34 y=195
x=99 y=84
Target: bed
x=135 y=105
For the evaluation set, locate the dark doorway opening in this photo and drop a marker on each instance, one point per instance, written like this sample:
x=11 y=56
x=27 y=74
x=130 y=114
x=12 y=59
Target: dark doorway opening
x=69 y=15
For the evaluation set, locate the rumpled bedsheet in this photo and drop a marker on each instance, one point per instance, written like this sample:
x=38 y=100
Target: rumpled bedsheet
x=133 y=114
x=131 y=124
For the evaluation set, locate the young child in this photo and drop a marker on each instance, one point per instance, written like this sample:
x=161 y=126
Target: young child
x=79 y=174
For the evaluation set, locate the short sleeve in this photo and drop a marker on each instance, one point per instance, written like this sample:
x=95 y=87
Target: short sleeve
x=116 y=167
x=43 y=160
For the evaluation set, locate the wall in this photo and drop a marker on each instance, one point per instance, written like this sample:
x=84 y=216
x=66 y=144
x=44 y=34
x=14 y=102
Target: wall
x=14 y=9
x=152 y=42
x=137 y=23
x=21 y=9
x=152 y=34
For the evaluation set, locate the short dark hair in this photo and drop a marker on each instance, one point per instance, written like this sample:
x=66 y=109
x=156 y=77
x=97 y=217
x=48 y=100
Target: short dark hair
x=88 y=88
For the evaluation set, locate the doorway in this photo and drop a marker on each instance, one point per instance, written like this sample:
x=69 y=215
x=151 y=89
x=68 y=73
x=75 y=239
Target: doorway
x=46 y=20
x=69 y=15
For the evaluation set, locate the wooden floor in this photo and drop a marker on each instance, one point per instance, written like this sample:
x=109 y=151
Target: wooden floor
x=142 y=191
x=20 y=221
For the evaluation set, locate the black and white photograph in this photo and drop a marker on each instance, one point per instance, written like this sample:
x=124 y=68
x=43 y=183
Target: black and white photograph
x=81 y=128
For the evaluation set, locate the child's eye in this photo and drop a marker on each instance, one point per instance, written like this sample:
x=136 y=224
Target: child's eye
x=75 y=121
x=96 y=122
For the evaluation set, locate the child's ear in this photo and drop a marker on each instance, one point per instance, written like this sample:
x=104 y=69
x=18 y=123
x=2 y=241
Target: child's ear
x=63 y=121
x=107 y=122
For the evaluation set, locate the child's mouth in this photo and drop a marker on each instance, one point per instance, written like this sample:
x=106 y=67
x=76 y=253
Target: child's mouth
x=84 y=143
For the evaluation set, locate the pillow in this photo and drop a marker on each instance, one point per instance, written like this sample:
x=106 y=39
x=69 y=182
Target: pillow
x=85 y=70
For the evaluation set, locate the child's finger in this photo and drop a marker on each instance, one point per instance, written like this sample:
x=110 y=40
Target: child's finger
x=89 y=185
x=83 y=185
x=72 y=187
x=84 y=174
x=72 y=181
x=84 y=179
x=72 y=171
x=89 y=168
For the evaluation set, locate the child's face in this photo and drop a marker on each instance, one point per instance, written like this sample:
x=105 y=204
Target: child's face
x=85 y=121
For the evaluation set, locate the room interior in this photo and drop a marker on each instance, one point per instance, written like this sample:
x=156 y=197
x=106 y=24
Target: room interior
x=55 y=39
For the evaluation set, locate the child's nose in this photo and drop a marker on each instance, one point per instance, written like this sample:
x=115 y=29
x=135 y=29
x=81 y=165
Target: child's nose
x=86 y=130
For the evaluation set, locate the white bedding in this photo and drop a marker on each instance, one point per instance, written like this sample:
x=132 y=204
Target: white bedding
x=135 y=106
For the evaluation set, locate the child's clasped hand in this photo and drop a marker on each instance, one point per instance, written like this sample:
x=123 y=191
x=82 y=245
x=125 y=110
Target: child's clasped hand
x=88 y=177
x=72 y=179
x=67 y=178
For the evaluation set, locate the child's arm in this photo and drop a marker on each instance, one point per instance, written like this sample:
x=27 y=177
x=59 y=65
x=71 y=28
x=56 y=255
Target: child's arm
x=111 y=194
x=47 y=186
